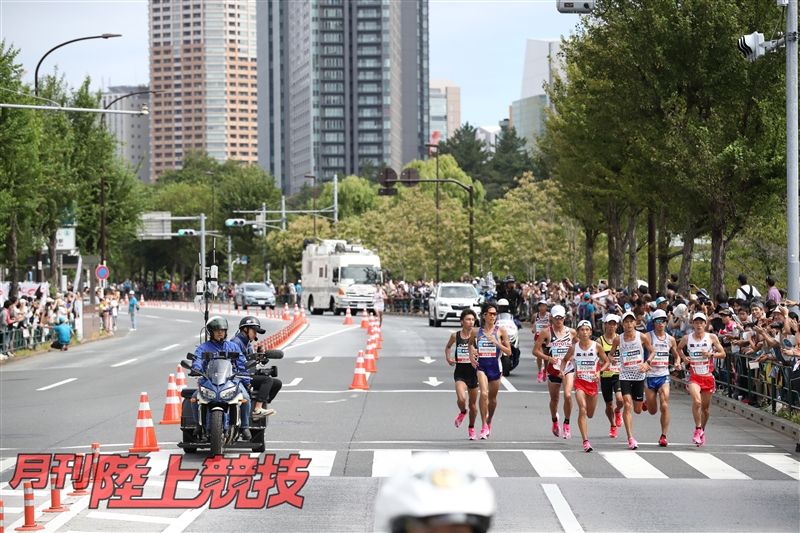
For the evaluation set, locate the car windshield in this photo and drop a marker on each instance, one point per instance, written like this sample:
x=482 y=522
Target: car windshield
x=458 y=292
x=367 y=275
x=256 y=287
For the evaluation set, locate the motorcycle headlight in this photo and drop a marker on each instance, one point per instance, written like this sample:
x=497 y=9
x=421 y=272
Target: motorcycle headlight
x=228 y=393
x=207 y=393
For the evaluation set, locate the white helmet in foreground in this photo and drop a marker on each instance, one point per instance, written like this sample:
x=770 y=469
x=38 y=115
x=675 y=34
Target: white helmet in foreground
x=433 y=490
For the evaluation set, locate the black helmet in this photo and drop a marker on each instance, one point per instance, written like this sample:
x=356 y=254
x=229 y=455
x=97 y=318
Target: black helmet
x=215 y=323
x=510 y=278
x=251 y=322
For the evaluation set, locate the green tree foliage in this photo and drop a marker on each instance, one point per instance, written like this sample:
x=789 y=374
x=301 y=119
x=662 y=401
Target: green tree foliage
x=356 y=196
x=467 y=150
x=509 y=162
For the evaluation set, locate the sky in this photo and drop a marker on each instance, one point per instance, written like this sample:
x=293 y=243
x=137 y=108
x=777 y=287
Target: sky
x=480 y=44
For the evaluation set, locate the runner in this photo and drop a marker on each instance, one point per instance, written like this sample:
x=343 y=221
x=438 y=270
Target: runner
x=558 y=339
x=378 y=298
x=465 y=376
x=658 y=375
x=635 y=351
x=539 y=323
x=702 y=347
x=587 y=355
x=609 y=380
x=484 y=351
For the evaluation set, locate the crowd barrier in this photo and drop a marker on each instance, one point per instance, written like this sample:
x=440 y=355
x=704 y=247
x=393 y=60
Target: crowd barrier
x=27 y=338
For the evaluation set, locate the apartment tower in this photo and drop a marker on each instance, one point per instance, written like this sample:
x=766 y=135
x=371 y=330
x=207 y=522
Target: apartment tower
x=131 y=131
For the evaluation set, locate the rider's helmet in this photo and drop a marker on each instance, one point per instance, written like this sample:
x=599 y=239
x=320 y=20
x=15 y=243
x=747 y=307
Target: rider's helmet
x=251 y=322
x=434 y=490
x=502 y=305
x=510 y=279
x=215 y=323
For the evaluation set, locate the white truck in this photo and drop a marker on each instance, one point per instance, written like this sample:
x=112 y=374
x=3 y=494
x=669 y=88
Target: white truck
x=337 y=274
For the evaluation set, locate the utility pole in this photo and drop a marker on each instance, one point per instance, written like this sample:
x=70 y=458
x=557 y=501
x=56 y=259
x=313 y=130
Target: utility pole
x=793 y=266
x=283 y=213
x=264 y=239
x=230 y=262
x=335 y=198
x=203 y=245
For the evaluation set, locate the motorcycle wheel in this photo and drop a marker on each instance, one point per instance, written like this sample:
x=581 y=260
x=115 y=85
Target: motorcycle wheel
x=216 y=435
x=505 y=361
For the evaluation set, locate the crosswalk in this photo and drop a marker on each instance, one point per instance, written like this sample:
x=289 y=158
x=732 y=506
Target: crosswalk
x=317 y=332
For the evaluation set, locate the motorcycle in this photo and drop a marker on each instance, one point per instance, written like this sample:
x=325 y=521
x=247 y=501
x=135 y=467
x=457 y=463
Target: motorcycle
x=512 y=325
x=219 y=402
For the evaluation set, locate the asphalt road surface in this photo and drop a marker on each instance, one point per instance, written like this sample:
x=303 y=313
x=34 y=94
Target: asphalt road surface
x=744 y=479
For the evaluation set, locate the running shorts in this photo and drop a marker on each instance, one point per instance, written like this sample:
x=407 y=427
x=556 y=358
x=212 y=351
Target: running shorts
x=589 y=387
x=706 y=383
x=467 y=375
x=657 y=382
x=609 y=386
x=491 y=367
x=557 y=379
x=635 y=389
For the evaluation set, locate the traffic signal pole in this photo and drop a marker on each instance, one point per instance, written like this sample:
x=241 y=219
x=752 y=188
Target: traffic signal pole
x=793 y=266
x=203 y=245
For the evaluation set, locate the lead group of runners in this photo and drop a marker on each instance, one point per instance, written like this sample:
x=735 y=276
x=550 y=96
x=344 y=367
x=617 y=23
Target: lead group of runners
x=631 y=369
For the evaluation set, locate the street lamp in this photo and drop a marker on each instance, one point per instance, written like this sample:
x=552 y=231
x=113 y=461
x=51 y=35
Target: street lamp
x=313 y=177
x=36 y=72
x=209 y=173
x=435 y=146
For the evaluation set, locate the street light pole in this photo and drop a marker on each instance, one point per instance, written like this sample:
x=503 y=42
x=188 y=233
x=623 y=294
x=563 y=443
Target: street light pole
x=314 y=178
x=438 y=264
x=793 y=266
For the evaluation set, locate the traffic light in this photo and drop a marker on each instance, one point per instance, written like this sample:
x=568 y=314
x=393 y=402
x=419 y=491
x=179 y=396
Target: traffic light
x=187 y=233
x=235 y=222
x=580 y=8
x=752 y=46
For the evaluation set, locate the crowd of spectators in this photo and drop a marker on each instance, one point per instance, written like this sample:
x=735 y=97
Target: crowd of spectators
x=26 y=321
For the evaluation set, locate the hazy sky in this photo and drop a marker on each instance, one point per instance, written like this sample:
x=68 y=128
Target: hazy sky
x=478 y=43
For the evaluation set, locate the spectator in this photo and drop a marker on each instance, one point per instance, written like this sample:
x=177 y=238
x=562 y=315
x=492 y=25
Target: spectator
x=63 y=335
x=133 y=309
x=746 y=292
x=773 y=293
x=298 y=288
x=292 y=293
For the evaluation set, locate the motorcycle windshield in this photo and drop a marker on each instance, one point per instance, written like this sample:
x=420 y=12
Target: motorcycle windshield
x=219 y=371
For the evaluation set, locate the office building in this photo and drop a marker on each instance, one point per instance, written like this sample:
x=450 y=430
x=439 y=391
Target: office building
x=342 y=82
x=445 y=107
x=131 y=131
x=203 y=62
x=488 y=134
x=541 y=64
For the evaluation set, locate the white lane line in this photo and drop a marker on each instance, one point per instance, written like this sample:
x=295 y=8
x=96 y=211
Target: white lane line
x=159 y=461
x=385 y=462
x=13 y=510
x=479 y=461
x=778 y=461
x=294 y=382
x=351 y=328
x=549 y=463
x=507 y=384
x=131 y=517
x=5 y=464
x=185 y=520
x=124 y=363
x=321 y=462
x=710 y=466
x=57 y=384
x=631 y=465
x=151 y=316
x=562 y=509
x=74 y=510
x=171 y=346
x=184 y=321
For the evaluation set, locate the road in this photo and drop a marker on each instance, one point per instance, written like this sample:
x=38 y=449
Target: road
x=744 y=479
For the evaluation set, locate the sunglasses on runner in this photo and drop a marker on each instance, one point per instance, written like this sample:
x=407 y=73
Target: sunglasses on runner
x=490 y=314
x=660 y=320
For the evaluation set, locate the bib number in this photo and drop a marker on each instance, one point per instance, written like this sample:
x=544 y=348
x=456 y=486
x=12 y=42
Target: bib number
x=586 y=370
x=630 y=359
x=660 y=360
x=699 y=363
x=462 y=354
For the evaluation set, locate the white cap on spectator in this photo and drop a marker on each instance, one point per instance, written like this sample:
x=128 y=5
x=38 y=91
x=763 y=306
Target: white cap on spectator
x=701 y=316
x=611 y=317
x=628 y=314
x=558 y=311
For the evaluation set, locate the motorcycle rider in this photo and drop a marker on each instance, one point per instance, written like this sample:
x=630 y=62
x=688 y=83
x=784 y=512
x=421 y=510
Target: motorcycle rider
x=217 y=328
x=508 y=290
x=265 y=387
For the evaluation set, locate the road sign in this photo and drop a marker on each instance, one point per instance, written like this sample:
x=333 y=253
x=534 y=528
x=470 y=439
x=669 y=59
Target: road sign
x=387 y=177
x=101 y=272
x=155 y=226
x=409 y=177
x=387 y=192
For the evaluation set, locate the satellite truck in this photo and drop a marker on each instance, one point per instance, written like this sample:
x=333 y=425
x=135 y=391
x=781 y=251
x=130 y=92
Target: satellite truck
x=337 y=274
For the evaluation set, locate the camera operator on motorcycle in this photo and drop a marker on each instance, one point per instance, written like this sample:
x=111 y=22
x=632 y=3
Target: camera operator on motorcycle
x=265 y=387
x=508 y=290
x=217 y=328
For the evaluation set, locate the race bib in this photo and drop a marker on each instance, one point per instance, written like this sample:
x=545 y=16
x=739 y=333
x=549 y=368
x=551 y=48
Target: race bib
x=586 y=370
x=660 y=360
x=486 y=348
x=699 y=364
x=632 y=358
x=462 y=354
x=558 y=352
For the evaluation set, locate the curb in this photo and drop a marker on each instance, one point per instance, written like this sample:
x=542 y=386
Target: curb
x=757 y=415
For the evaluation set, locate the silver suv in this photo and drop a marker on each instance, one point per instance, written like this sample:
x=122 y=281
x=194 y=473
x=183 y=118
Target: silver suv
x=252 y=295
x=449 y=299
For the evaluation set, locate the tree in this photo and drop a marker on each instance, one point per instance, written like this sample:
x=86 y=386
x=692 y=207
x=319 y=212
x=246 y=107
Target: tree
x=356 y=196
x=509 y=161
x=469 y=152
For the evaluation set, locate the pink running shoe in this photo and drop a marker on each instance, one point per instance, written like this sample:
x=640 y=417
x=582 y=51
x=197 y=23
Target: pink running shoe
x=586 y=446
x=567 y=434
x=460 y=419
x=702 y=437
x=488 y=429
x=485 y=432
x=540 y=378
x=696 y=438
x=555 y=429
x=613 y=432
x=472 y=435
x=618 y=418
x=632 y=444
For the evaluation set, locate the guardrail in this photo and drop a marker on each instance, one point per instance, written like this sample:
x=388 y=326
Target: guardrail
x=28 y=338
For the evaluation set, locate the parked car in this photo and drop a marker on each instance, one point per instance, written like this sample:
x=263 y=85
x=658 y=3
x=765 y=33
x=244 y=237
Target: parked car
x=449 y=299
x=253 y=294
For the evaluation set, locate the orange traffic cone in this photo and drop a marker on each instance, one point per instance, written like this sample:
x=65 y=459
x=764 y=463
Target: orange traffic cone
x=286 y=311
x=364 y=320
x=303 y=314
x=30 y=522
x=360 y=375
x=172 y=409
x=145 y=438
x=348 y=318
x=380 y=328
x=180 y=379
x=369 y=361
x=296 y=311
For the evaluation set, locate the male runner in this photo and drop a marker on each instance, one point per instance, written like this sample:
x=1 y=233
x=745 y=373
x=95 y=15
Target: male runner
x=558 y=339
x=539 y=323
x=465 y=376
x=609 y=380
x=658 y=375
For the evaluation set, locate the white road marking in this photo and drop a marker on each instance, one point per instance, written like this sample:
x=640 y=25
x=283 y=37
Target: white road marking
x=335 y=401
x=57 y=384
x=631 y=465
x=151 y=316
x=74 y=510
x=551 y=464
x=351 y=328
x=385 y=462
x=562 y=509
x=479 y=461
x=710 y=466
x=781 y=462
x=171 y=346
x=159 y=461
x=433 y=382
x=131 y=517
x=317 y=359
x=294 y=382
x=13 y=510
x=507 y=384
x=184 y=321
x=321 y=461
x=185 y=520
x=427 y=360
x=124 y=363
x=5 y=464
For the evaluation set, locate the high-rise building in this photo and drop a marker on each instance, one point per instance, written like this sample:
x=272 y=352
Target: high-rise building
x=528 y=113
x=131 y=131
x=445 y=107
x=203 y=60
x=342 y=82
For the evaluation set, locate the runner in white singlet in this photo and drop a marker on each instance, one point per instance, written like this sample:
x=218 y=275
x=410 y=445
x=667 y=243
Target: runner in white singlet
x=378 y=299
x=658 y=375
x=540 y=322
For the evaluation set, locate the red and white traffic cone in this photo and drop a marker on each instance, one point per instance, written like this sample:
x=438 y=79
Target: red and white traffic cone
x=55 y=495
x=364 y=320
x=172 y=409
x=369 y=360
x=360 y=375
x=348 y=318
x=30 y=524
x=303 y=314
x=375 y=346
x=2 y=517
x=145 y=438
x=95 y=460
x=286 y=311
x=180 y=379
x=81 y=482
